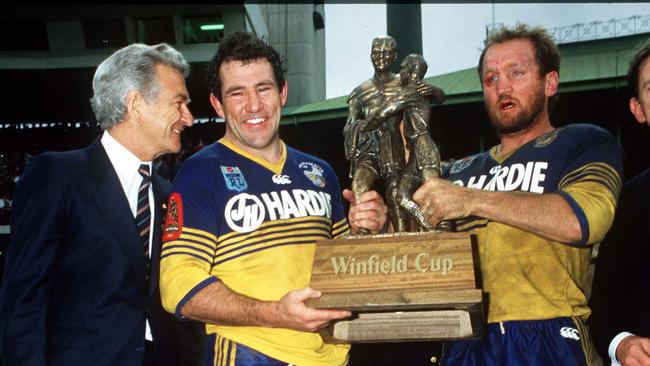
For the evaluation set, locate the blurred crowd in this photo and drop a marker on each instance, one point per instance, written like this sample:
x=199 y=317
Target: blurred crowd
x=12 y=164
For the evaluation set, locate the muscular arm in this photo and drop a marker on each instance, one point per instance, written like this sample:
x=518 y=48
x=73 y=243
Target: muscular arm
x=217 y=304
x=547 y=215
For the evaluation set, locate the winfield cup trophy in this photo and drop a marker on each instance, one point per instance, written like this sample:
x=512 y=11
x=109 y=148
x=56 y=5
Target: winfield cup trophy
x=418 y=282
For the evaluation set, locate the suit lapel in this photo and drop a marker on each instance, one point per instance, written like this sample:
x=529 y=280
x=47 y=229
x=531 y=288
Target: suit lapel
x=112 y=203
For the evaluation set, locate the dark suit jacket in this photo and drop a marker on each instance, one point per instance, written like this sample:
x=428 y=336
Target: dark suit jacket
x=73 y=290
x=620 y=299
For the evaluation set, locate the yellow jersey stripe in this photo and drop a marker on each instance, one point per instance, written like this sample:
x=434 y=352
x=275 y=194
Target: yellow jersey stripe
x=301 y=241
x=270 y=225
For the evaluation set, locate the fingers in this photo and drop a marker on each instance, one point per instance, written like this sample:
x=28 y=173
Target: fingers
x=423 y=196
x=305 y=294
x=349 y=196
x=441 y=200
x=425 y=190
x=299 y=316
x=368 y=211
x=424 y=88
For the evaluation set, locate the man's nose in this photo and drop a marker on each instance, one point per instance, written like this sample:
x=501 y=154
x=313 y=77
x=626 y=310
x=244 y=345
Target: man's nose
x=186 y=116
x=253 y=103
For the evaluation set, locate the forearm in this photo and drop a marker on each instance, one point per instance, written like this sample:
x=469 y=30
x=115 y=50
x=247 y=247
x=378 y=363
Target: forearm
x=217 y=304
x=547 y=215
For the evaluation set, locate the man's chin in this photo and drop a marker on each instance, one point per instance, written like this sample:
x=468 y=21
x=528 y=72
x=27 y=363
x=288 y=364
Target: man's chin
x=509 y=127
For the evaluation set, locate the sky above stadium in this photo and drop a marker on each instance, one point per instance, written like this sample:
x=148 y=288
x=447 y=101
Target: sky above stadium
x=452 y=34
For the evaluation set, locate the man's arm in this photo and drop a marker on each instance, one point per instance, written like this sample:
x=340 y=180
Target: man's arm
x=547 y=215
x=217 y=304
x=36 y=234
x=189 y=290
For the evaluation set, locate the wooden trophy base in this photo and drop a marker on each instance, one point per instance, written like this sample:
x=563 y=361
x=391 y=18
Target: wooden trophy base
x=401 y=287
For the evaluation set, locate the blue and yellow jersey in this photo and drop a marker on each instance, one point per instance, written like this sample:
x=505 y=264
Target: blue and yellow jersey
x=526 y=276
x=237 y=219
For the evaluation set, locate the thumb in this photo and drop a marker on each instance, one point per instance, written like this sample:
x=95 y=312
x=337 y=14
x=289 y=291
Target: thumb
x=307 y=293
x=349 y=195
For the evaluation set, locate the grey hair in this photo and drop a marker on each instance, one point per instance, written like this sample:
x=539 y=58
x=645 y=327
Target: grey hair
x=130 y=68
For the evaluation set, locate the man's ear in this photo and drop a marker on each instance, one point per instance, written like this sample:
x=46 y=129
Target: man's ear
x=637 y=110
x=216 y=104
x=283 y=93
x=551 y=81
x=133 y=104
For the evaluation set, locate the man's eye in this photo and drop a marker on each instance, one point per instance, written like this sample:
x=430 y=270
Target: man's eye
x=490 y=79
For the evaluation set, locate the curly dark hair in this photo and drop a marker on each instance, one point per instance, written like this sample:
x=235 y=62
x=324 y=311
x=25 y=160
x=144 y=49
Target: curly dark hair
x=245 y=47
x=635 y=68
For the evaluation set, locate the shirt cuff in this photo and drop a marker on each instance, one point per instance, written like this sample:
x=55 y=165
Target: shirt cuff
x=613 y=345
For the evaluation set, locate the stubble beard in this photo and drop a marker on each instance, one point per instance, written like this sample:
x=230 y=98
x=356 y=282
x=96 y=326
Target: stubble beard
x=521 y=121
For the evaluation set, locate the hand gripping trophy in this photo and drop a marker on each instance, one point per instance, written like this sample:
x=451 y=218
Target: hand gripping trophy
x=373 y=141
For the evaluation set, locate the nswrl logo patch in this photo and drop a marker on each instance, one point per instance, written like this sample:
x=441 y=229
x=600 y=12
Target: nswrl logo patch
x=234 y=178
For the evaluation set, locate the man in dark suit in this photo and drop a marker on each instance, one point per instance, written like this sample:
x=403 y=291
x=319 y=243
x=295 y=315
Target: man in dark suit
x=81 y=276
x=620 y=301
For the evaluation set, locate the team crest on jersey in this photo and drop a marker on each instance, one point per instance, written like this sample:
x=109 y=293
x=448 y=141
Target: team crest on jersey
x=461 y=164
x=174 y=218
x=234 y=178
x=546 y=139
x=314 y=172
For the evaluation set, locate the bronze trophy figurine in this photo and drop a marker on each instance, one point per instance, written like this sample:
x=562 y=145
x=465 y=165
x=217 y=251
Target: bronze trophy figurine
x=402 y=286
x=376 y=149
x=373 y=141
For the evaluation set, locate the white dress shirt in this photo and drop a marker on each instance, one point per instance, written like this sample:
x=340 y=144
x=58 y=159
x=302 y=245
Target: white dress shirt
x=613 y=345
x=126 y=166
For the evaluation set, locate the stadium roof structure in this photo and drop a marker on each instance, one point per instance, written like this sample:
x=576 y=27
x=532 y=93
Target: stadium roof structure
x=589 y=65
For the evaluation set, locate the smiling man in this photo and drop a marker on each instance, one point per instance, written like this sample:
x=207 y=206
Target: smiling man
x=81 y=275
x=537 y=202
x=245 y=213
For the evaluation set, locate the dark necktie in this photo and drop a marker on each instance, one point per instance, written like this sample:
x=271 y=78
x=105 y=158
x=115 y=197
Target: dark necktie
x=143 y=215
